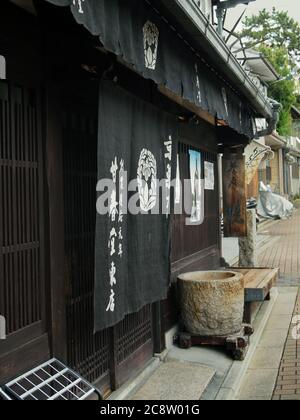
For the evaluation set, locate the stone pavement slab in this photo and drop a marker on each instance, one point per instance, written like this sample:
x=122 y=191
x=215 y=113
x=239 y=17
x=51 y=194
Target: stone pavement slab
x=176 y=381
x=266 y=358
x=259 y=383
x=273 y=339
x=288 y=380
x=279 y=322
x=262 y=375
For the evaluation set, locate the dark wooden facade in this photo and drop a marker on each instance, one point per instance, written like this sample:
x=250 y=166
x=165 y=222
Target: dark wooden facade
x=48 y=167
x=23 y=273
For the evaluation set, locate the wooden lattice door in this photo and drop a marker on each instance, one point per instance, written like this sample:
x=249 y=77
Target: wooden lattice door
x=22 y=264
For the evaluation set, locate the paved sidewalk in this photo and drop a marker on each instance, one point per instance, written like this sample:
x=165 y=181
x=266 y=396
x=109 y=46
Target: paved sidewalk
x=288 y=381
x=260 y=379
x=274 y=373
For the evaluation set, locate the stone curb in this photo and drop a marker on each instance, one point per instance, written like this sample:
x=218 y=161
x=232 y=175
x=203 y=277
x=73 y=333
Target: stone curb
x=232 y=383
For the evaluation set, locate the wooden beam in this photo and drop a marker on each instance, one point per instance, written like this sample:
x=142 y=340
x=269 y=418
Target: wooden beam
x=204 y=115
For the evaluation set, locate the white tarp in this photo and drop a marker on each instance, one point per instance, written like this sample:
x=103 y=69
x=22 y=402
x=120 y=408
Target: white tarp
x=271 y=205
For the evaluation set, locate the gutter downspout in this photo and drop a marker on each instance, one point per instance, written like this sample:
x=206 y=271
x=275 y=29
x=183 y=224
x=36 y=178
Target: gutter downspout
x=222 y=7
x=272 y=122
x=221 y=10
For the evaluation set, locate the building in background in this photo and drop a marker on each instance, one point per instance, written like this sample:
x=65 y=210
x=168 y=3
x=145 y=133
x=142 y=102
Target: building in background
x=292 y=167
x=264 y=156
x=272 y=171
x=296 y=122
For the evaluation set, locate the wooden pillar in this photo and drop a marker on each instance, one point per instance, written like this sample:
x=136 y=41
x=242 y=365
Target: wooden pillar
x=234 y=193
x=54 y=163
x=113 y=360
x=248 y=245
x=159 y=339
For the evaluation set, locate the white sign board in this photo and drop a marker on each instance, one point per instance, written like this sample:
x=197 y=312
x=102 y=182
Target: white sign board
x=2 y=67
x=209 y=172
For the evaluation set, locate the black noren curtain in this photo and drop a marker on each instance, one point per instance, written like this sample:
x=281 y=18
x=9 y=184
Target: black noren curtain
x=134 y=31
x=132 y=250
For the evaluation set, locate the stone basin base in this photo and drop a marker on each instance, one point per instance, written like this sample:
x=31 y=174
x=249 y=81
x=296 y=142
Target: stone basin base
x=212 y=302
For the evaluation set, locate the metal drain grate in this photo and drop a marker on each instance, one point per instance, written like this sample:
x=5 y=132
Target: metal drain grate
x=51 y=381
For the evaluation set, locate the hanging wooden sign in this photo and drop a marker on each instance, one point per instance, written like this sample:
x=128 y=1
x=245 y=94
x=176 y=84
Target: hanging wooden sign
x=255 y=153
x=234 y=195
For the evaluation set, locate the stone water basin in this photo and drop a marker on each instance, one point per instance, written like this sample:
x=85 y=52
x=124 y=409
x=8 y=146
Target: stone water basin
x=212 y=302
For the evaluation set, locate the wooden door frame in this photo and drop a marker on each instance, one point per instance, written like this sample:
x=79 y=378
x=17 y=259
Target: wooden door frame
x=29 y=346
x=54 y=169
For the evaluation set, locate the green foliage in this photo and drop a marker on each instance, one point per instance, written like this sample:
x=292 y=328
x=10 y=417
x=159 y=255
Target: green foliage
x=284 y=126
x=274 y=29
x=277 y=37
x=283 y=91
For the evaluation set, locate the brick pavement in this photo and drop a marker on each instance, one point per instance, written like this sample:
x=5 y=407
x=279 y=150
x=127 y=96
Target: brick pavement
x=284 y=253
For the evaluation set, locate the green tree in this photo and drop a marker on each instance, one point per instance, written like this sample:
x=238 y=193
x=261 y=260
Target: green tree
x=277 y=37
x=284 y=90
x=274 y=29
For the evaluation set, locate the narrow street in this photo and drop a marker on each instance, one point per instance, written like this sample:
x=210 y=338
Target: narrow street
x=274 y=372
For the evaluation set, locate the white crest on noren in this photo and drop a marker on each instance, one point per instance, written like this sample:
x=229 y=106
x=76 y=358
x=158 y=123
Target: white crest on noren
x=147 y=180
x=151 y=37
x=225 y=100
x=80 y=9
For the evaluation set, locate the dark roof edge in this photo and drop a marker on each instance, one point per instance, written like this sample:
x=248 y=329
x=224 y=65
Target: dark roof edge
x=188 y=14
